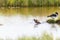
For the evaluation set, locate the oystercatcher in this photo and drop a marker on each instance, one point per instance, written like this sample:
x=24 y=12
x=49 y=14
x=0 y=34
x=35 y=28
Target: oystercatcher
x=36 y=21
x=53 y=15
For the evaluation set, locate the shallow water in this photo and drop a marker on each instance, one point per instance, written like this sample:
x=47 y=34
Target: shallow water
x=23 y=24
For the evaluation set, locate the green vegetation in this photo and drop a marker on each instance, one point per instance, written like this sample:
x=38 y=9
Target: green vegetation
x=45 y=36
x=29 y=3
x=28 y=38
x=52 y=21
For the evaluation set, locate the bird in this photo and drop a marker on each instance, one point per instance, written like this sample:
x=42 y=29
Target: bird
x=36 y=21
x=53 y=15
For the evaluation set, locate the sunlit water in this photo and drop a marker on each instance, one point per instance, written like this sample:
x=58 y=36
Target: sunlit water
x=23 y=25
x=15 y=26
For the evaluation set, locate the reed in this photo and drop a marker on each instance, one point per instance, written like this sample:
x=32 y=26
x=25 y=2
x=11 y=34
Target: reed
x=29 y=3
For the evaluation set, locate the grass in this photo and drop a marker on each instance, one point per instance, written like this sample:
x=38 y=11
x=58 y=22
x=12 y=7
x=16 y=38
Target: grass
x=29 y=3
x=28 y=38
x=44 y=37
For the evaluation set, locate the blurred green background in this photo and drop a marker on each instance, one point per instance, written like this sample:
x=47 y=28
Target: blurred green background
x=29 y=3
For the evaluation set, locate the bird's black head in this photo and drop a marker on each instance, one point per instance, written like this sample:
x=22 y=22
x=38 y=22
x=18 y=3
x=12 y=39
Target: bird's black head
x=56 y=13
x=34 y=19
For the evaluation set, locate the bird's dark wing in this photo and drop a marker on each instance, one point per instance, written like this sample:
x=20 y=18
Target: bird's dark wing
x=51 y=15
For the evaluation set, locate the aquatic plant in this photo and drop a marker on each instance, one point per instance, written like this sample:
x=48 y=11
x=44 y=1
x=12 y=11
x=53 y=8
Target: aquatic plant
x=51 y=21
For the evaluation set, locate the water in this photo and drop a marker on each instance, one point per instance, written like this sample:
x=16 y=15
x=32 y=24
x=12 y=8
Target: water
x=19 y=22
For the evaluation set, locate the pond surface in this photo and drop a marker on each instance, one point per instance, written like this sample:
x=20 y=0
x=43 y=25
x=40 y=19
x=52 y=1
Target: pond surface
x=18 y=22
